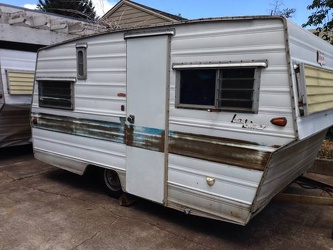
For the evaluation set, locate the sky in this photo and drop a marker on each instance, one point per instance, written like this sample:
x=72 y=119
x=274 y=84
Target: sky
x=193 y=9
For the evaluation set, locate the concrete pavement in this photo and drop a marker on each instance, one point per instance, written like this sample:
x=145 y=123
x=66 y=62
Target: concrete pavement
x=42 y=207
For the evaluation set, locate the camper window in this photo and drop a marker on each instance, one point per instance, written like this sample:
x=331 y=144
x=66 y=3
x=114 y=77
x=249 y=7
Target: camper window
x=56 y=94
x=197 y=87
x=81 y=60
x=230 y=89
x=20 y=82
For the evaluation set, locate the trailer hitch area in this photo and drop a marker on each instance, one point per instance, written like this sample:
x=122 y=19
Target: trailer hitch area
x=309 y=183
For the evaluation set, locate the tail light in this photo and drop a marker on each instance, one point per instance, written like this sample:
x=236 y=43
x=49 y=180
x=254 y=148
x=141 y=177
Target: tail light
x=279 y=121
x=34 y=121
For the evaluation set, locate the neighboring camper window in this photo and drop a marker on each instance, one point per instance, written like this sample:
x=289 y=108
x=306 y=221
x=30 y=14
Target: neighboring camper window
x=20 y=82
x=56 y=94
x=81 y=59
x=230 y=89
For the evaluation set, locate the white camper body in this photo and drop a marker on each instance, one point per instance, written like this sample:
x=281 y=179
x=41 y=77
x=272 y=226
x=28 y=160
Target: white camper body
x=210 y=117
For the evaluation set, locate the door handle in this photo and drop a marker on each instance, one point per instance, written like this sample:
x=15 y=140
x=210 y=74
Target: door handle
x=131 y=119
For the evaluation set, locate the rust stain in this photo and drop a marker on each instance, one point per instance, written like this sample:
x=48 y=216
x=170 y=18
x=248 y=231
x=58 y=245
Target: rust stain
x=221 y=150
x=82 y=127
x=134 y=136
x=146 y=138
x=129 y=135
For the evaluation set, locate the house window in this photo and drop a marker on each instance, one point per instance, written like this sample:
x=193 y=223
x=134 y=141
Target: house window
x=211 y=86
x=81 y=60
x=56 y=94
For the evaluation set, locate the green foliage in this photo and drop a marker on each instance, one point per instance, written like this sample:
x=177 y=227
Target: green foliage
x=321 y=18
x=73 y=8
x=288 y=13
x=329 y=135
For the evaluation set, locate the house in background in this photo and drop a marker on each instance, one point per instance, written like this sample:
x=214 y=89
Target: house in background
x=128 y=14
x=22 y=33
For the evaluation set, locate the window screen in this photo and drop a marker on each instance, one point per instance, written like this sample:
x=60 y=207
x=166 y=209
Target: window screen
x=236 y=87
x=56 y=94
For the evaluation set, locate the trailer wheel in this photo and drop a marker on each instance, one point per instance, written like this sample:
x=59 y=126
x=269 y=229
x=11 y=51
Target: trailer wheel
x=111 y=183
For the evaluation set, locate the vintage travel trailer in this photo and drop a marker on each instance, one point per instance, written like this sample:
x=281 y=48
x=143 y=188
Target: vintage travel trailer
x=23 y=32
x=212 y=117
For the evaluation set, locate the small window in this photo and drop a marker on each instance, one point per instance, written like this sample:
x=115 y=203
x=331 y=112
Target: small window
x=197 y=87
x=81 y=59
x=56 y=94
x=20 y=82
x=229 y=89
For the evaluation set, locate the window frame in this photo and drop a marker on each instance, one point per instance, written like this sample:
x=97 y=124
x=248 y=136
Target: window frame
x=70 y=81
x=81 y=66
x=219 y=67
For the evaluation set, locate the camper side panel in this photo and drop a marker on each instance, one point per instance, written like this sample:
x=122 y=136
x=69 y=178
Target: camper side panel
x=17 y=69
x=285 y=165
x=240 y=142
x=289 y=162
x=308 y=49
x=90 y=130
x=242 y=41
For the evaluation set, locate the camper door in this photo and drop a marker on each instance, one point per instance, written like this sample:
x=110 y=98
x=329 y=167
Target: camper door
x=146 y=125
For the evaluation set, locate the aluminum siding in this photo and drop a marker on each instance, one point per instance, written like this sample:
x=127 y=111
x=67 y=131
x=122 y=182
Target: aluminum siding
x=285 y=165
x=237 y=41
x=303 y=49
x=222 y=42
x=16 y=60
x=97 y=99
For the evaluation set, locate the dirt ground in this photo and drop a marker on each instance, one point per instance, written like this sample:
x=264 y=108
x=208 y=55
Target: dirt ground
x=326 y=150
x=43 y=207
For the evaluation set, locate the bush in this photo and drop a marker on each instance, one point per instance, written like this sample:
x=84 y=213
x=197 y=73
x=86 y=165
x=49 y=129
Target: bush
x=329 y=135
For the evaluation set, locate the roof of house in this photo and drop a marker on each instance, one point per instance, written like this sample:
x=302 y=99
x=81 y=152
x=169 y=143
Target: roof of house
x=160 y=14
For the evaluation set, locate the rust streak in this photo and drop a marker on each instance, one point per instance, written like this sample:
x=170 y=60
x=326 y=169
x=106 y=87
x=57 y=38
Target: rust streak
x=233 y=152
x=146 y=138
x=82 y=127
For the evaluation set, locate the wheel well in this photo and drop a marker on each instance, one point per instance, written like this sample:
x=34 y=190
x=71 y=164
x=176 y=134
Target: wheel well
x=92 y=169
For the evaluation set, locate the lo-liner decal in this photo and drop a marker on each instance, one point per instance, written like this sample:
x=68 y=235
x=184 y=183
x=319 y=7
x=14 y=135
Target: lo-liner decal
x=246 y=123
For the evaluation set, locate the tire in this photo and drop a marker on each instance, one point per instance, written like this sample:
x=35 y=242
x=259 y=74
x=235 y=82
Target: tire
x=111 y=183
